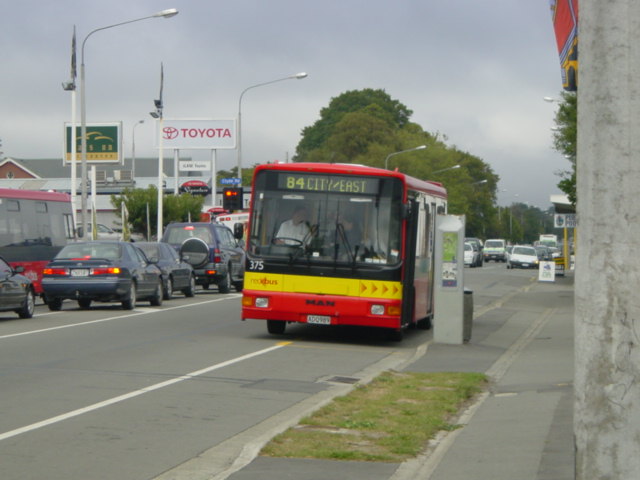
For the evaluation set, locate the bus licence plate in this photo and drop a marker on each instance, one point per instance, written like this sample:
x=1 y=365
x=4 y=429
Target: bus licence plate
x=80 y=272
x=319 y=319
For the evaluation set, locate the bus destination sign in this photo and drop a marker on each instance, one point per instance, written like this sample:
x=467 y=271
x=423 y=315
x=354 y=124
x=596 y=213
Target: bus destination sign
x=328 y=183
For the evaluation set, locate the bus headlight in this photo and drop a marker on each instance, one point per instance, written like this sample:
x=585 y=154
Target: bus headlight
x=262 y=302
x=377 y=310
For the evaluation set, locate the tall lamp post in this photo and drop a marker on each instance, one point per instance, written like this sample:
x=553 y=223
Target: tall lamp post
x=83 y=109
x=386 y=160
x=133 y=150
x=297 y=76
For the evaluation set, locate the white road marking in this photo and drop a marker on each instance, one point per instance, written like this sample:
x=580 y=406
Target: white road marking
x=135 y=393
x=137 y=311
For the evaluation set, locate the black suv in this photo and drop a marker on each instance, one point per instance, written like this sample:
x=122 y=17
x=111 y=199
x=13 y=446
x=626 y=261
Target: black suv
x=215 y=254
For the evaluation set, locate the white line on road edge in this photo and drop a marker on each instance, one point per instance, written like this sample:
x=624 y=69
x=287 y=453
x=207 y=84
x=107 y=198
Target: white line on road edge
x=127 y=396
x=137 y=311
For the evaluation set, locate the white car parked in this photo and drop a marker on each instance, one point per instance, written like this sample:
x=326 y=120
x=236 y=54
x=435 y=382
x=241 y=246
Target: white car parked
x=470 y=255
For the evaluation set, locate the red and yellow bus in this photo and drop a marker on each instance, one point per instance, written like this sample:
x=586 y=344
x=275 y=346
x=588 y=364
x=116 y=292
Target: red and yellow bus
x=364 y=255
x=34 y=226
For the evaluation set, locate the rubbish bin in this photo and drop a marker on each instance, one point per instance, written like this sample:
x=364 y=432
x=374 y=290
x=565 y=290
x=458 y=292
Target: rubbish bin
x=467 y=314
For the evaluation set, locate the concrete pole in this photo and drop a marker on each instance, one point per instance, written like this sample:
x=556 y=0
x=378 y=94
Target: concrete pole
x=607 y=278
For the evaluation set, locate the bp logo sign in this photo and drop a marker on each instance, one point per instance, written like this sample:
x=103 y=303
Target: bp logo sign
x=104 y=143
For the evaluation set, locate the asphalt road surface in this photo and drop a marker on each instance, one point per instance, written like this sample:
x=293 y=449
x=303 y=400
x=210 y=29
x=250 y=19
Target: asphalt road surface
x=105 y=393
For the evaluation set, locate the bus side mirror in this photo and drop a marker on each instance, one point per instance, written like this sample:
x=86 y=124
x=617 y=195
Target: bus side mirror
x=406 y=210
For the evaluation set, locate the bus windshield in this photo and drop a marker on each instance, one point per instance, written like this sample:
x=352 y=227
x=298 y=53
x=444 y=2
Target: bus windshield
x=305 y=217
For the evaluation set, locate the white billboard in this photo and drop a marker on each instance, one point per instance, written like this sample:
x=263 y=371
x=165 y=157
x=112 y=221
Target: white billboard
x=198 y=134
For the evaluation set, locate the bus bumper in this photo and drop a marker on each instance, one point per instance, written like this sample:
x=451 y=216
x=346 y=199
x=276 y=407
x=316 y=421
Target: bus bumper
x=321 y=309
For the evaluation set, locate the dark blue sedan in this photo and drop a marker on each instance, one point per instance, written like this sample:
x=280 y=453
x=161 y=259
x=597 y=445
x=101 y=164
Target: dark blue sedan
x=101 y=271
x=177 y=275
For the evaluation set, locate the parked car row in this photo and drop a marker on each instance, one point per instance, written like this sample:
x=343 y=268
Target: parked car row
x=90 y=271
x=127 y=272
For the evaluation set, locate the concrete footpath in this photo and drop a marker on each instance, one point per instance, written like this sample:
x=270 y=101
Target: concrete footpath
x=522 y=428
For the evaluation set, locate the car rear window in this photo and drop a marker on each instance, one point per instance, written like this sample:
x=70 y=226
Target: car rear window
x=178 y=234
x=493 y=244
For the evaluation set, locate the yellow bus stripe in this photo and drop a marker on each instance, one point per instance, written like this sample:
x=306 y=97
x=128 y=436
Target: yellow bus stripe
x=353 y=287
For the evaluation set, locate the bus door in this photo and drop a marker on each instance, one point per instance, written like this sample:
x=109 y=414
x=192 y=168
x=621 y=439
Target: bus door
x=408 y=288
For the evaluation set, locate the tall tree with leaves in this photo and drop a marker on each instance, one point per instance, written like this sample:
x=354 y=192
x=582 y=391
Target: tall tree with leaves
x=175 y=208
x=373 y=103
x=565 y=141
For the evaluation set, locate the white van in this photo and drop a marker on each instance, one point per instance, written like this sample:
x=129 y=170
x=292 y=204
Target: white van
x=495 y=249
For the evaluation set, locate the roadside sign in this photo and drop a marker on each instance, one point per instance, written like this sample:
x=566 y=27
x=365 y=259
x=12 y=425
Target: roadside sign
x=230 y=181
x=547 y=272
x=194 y=165
x=104 y=143
x=207 y=133
x=565 y=220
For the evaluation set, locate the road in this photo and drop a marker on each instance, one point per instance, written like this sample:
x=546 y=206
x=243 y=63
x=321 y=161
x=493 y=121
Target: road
x=106 y=393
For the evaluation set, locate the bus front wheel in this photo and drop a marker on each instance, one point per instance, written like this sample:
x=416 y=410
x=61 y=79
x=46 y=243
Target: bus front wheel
x=276 y=327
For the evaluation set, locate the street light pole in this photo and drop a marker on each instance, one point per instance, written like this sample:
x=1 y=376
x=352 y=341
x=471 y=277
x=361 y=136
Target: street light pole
x=386 y=160
x=133 y=150
x=83 y=110
x=297 y=76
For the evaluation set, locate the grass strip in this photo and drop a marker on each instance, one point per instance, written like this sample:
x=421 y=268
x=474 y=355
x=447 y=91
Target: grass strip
x=390 y=419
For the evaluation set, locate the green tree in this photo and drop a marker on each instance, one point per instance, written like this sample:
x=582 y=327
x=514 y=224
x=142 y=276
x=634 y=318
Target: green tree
x=142 y=205
x=375 y=103
x=367 y=126
x=565 y=141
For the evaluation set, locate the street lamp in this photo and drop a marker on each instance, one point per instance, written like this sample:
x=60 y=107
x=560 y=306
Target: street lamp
x=386 y=160
x=445 y=169
x=83 y=108
x=480 y=182
x=133 y=150
x=297 y=76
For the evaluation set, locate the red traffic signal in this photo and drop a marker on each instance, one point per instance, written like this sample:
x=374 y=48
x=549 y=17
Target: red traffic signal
x=232 y=198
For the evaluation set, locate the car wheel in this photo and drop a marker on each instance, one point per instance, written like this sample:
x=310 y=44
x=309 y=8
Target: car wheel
x=129 y=302
x=156 y=298
x=225 y=284
x=168 y=289
x=84 y=303
x=276 y=327
x=190 y=291
x=28 y=306
x=54 y=304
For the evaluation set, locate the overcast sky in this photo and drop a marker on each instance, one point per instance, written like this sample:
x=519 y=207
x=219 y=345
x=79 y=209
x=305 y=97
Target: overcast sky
x=474 y=71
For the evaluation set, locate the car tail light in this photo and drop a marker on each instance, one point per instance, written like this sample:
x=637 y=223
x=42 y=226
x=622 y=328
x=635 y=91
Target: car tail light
x=106 y=271
x=55 y=271
x=216 y=256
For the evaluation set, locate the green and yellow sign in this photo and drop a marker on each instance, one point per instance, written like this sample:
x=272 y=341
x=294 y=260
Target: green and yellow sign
x=104 y=143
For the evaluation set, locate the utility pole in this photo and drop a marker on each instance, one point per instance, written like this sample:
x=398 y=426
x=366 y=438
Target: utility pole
x=607 y=278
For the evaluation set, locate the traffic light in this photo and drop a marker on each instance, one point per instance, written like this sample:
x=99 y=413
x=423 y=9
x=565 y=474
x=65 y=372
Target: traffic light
x=232 y=198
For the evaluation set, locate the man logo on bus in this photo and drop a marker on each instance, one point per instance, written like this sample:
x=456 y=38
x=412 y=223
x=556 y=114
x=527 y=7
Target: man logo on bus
x=320 y=303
